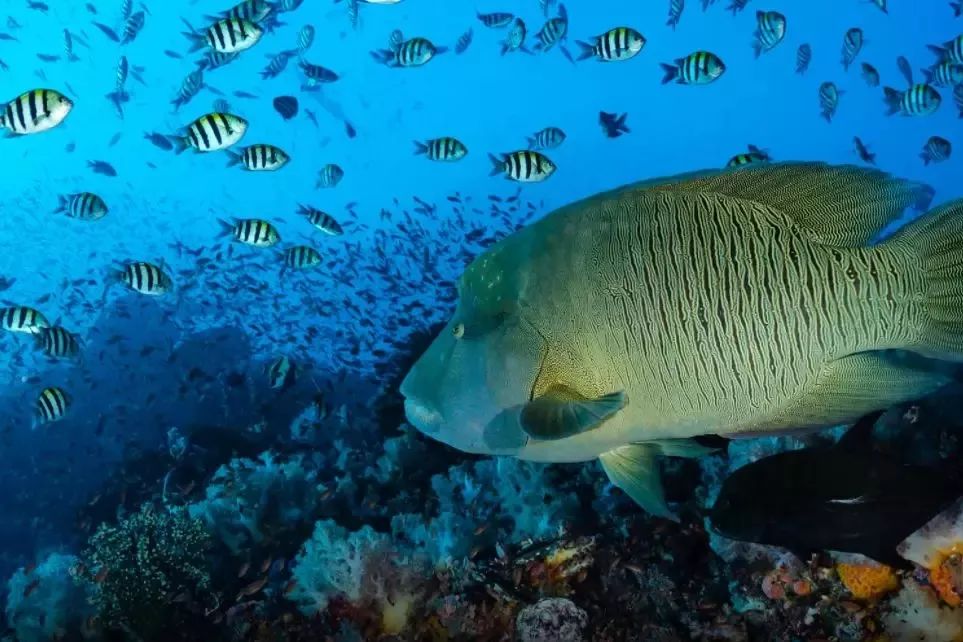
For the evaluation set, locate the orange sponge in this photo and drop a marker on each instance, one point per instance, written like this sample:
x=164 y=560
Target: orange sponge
x=867 y=581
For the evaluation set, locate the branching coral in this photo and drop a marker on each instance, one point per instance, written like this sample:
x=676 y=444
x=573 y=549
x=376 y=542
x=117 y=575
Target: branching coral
x=247 y=499
x=46 y=602
x=479 y=503
x=361 y=568
x=143 y=564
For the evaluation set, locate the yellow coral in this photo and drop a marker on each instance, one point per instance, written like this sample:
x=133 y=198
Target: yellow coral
x=867 y=581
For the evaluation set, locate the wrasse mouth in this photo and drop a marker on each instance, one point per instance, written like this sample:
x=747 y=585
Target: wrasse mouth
x=422 y=417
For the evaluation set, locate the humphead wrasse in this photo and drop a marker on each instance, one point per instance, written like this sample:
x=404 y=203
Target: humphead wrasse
x=730 y=303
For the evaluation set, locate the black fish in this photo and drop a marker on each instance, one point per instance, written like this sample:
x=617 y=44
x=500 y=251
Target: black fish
x=172 y=54
x=349 y=129
x=102 y=167
x=286 y=106
x=841 y=498
x=905 y=69
x=159 y=140
x=48 y=57
x=613 y=125
x=244 y=94
x=107 y=31
x=464 y=41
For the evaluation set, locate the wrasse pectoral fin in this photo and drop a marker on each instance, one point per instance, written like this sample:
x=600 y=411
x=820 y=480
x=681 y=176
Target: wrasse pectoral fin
x=561 y=412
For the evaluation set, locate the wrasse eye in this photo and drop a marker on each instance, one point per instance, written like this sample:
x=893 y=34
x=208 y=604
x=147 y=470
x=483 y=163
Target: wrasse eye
x=458 y=330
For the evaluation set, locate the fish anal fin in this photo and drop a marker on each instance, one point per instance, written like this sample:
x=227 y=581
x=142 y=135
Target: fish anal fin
x=561 y=412
x=852 y=387
x=635 y=469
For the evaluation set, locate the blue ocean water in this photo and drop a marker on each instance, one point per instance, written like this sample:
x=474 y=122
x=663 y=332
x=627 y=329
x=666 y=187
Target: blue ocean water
x=197 y=356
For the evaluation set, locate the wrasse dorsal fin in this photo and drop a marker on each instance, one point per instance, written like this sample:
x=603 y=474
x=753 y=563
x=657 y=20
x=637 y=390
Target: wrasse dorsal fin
x=561 y=412
x=844 y=206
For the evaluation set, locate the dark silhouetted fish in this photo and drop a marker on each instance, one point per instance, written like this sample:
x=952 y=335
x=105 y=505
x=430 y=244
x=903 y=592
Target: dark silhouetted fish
x=102 y=167
x=841 y=498
x=286 y=106
x=613 y=125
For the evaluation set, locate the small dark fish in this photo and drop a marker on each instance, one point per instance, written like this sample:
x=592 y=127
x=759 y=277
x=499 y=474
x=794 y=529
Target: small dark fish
x=91 y=9
x=464 y=41
x=870 y=75
x=349 y=129
x=102 y=167
x=904 y=68
x=804 y=56
x=613 y=125
x=842 y=498
x=107 y=31
x=863 y=151
x=172 y=54
x=37 y=6
x=8 y=37
x=936 y=150
x=48 y=57
x=113 y=139
x=70 y=147
x=286 y=106
x=244 y=94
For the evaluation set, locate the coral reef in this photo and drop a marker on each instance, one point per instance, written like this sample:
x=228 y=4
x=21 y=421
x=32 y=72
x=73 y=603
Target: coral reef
x=247 y=498
x=144 y=567
x=44 y=603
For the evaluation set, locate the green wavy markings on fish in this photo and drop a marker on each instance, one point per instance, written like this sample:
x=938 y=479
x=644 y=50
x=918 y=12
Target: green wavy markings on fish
x=736 y=302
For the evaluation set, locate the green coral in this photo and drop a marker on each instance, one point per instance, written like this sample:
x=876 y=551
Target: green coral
x=144 y=563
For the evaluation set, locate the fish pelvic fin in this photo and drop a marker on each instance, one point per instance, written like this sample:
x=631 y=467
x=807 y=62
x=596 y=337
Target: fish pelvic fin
x=634 y=468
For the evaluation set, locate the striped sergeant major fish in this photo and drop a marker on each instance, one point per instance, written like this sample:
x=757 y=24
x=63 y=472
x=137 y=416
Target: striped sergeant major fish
x=524 y=166
x=277 y=64
x=190 y=87
x=515 y=41
x=445 y=148
x=280 y=373
x=852 y=45
x=251 y=10
x=329 y=176
x=251 y=231
x=951 y=50
x=82 y=205
x=936 y=150
x=804 y=56
x=675 y=13
x=496 y=20
x=829 y=95
x=305 y=38
x=870 y=75
x=141 y=277
x=120 y=96
x=547 y=138
x=58 y=342
x=259 y=158
x=698 y=68
x=215 y=59
x=409 y=53
x=35 y=111
x=51 y=406
x=211 y=132
x=301 y=257
x=321 y=220
x=918 y=100
x=620 y=43
x=315 y=75
x=69 y=47
x=553 y=31
x=945 y=74
x=753 y=156
x=770 y=30
x=226 y=36
x=23 y=319
x=132 y=27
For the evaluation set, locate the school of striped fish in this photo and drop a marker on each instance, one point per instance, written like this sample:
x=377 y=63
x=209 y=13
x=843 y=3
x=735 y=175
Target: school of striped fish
x=335 y=269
